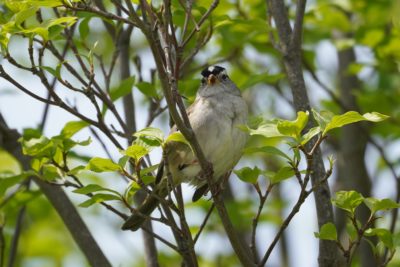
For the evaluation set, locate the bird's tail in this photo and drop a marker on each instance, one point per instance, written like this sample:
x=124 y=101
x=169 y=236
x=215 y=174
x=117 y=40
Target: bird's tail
x=151 y=202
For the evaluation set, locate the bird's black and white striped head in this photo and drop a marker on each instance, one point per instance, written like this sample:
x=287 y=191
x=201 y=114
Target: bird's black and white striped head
x=216 y=80
x=213 y=73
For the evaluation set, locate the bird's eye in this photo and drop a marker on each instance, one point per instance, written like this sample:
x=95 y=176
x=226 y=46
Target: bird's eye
x=224 y=77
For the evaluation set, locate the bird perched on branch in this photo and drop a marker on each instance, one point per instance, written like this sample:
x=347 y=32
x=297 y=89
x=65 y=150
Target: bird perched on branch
x=214 y=116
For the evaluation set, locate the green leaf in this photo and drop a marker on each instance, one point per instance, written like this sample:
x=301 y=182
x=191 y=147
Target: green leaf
x=47 y=3
x=384 y=235
x=248 y=175
x=322 y=118
x=90 y=188
x=102 y=165
x=8 y=163
x=148 y=170
x=84 y=28
x=373 y=37
x=122 y=161
x=29 y=133
x=380 y=204
x=177 y=137
x=50 y=172
x=331 y=161
x=151 y=132
x=24 y=14
x=352 y=117
x=72 y=128
x=52 y=71
x=327 y=232
x=136 y=152
x=261 y=78
x=268 y=150
x=132 y=188
x=310 y=134
x=124 y=88
x=294 y=128
x=37 y=163
x=284 y=173
x=39 y=147
x=147 y=89
x=375 y=116
x=268 y=129
x=76 y=170
x=9 y=181
x=148 y=179
x=98 y=198
x=151 y=136
x=67 y=21
x=348 y=200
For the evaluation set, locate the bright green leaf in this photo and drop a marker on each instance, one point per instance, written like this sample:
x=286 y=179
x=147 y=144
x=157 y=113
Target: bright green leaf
x=322 y=118
x=248 y=175
x=351 y=117
x=375 y=116
x=348 y=200
x=177 y=137
x=293 y=128
x=151 y=136
x=90 y=188
x=132 y=188
x=97 y=199
x=9 y=181
x=384 y=235
x=65 y=21
x=50 y=172
x=73 y=127
x=148 y=179
x=76 y=170
x=122 y=161
x=8 y=163
x=39 y=147
x=149 y=170
x=24 y=14
x=124 y=88
x=380 y=204
x=267 y=129
x=136 y=152
x=327 y=232
x=284 y=173
x=268 y=150
x=310 y=134
x=147 y=89
x=84 y=28
x=102 y=165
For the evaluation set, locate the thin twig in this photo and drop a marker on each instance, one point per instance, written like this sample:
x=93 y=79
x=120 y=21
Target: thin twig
x=263 y=198
x=203 y=224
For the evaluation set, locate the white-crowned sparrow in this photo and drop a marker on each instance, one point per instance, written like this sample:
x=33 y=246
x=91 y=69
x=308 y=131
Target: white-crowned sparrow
x=214 y=116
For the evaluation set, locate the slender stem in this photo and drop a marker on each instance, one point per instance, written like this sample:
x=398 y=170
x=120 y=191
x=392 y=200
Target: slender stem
x=263 y=198
x=203 y=224
x=15 y=239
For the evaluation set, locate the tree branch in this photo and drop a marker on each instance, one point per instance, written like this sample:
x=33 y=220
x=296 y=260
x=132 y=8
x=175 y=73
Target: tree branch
x=58 y=199
x=293 y=65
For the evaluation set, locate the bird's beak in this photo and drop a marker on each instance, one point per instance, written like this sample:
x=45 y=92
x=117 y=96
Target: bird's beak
x=211 y=79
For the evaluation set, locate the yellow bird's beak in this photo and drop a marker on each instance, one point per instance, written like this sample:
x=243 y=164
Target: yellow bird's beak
x=211 y=79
